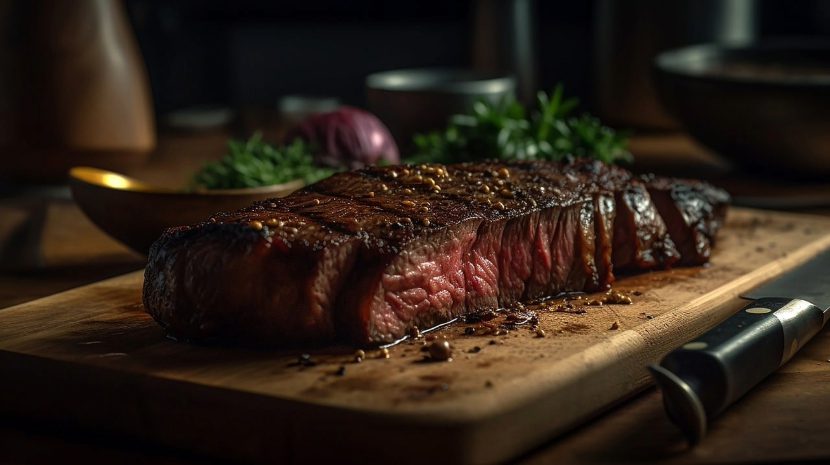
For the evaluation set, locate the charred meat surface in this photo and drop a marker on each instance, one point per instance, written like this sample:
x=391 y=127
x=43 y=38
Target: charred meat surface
x=362 y=257
x=693 y=213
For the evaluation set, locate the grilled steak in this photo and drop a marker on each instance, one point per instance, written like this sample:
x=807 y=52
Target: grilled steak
x=364 y=256
x=691 y=210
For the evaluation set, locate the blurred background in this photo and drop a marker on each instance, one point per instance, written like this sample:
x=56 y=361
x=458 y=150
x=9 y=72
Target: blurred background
x=250 y=53
x=245 y=64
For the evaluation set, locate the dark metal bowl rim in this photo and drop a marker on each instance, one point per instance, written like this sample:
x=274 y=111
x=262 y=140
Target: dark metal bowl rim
x=441 y=80
x=693 y=62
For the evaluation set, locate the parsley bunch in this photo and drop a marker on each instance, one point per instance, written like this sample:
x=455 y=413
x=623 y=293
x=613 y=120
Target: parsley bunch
x=255 y=163
x=505 y=130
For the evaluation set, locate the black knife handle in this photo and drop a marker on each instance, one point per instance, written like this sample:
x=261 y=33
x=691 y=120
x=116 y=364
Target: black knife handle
x=706 y=375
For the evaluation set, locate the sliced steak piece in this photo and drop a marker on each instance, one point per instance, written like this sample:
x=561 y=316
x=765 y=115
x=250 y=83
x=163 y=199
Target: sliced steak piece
x=605 y=212
x=641 y=240
x=693 y=212
x=364 y=256
x=583 y=274
x=516 y=257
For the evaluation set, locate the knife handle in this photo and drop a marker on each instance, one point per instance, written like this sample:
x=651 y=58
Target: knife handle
x=706 y=375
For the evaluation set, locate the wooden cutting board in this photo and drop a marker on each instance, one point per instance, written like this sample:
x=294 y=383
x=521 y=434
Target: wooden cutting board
x=91 y=357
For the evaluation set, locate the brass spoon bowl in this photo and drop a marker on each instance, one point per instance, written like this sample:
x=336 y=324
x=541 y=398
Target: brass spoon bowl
x=136 y=213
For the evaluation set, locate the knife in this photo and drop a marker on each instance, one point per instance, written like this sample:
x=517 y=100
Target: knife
x=706 y=375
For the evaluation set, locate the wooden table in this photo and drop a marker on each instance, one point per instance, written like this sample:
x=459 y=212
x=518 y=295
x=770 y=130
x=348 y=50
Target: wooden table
x=781 y=420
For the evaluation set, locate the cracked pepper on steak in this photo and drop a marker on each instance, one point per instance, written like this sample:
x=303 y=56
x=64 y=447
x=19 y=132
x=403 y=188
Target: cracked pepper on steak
x=364 y=256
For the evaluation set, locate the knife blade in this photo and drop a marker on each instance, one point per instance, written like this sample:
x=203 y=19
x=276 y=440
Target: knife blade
x=703 y=377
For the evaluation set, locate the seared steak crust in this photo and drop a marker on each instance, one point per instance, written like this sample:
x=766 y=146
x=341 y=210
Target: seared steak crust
x=364 y=256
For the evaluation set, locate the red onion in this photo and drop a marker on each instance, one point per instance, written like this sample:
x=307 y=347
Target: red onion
x=347 y=137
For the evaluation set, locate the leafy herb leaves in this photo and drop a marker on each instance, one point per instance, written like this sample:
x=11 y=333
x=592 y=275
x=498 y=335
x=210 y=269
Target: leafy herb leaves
x=505 y=130
x=255 y=163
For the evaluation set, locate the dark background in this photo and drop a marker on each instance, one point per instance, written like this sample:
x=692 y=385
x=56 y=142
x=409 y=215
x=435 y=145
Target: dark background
x=252 y=52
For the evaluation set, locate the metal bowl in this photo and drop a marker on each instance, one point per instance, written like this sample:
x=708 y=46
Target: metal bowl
x=765 y=106
x=136 y=213
x=410 y=101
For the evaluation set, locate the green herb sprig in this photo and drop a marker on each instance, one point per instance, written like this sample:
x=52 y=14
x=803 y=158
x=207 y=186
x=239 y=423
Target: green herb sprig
x=255 y=163
x=505 y=130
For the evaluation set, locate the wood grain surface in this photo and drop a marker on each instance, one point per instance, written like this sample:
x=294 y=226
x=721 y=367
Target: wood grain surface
x=92 y=357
